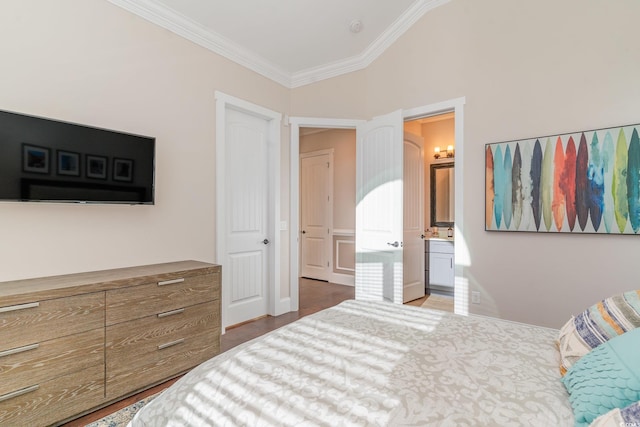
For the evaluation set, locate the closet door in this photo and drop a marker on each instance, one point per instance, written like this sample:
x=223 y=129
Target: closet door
x=316 y=210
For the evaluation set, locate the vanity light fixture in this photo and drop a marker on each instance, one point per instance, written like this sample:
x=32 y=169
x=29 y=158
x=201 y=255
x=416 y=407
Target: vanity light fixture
x=450 y=152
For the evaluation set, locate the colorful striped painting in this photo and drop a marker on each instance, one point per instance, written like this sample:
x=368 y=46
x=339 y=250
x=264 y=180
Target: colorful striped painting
x=583 y=182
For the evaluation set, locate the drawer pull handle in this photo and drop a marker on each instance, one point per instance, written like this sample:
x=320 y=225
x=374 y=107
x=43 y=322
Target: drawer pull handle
x=19 y=307
x=18 y=350
x=170 y=313
x=170 y=344
x=170 y=282
x=19 y=392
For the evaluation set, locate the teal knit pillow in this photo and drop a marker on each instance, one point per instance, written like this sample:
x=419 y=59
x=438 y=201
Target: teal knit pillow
x=607 y=377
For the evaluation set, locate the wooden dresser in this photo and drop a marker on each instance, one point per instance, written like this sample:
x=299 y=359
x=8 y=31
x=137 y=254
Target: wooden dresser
x=70 y=344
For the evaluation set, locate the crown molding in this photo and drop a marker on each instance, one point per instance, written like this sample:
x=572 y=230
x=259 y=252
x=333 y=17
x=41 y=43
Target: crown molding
x=169 y=19
x=372 y=52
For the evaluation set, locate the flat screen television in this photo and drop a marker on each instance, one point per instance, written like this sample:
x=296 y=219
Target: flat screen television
x=44 y=160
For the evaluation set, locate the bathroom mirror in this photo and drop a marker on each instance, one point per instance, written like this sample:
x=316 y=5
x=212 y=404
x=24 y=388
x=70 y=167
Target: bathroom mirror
x=442 y=195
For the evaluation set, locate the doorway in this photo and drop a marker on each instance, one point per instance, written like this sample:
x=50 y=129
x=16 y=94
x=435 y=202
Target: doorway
x=455 y=105
x=438 y=133
x=326 y=198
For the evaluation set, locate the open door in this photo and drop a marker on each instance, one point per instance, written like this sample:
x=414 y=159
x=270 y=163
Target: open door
x=379 y=209
x=413 y=215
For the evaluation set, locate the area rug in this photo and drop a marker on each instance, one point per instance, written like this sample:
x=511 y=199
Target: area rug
x=123 y=416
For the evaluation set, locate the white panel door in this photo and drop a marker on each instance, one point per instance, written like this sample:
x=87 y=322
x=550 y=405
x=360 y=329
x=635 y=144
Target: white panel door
x=315 y=214
x=247 y=217
x=379 y=210
x=413 y=187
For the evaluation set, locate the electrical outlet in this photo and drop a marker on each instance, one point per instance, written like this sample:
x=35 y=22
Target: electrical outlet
x=475 y=297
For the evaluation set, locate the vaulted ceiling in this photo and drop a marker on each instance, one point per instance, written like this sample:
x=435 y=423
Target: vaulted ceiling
x=293 y=42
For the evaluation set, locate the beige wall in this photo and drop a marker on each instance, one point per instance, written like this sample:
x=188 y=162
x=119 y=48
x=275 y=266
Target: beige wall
x=525 y=69
x=90 y=62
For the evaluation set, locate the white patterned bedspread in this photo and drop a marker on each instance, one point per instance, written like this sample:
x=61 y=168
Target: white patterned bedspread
x=375 y=364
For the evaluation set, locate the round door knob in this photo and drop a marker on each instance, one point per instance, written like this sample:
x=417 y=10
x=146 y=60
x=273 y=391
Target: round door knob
x=265 y=241
x=304 y=232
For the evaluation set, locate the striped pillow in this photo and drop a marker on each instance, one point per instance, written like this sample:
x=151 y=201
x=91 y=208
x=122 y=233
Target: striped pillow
x=597 y=324
x=629 y=416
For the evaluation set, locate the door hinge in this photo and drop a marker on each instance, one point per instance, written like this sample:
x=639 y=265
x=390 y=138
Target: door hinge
x=328 y=165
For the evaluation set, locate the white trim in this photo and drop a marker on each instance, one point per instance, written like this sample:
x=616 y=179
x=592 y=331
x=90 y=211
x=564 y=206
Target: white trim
x=322 y=123
x=344 y=232
x=276 y=305
x=173 y=21
x=327 y=151
x=343 y=279
x=454 y=105
x=372 y=52
x=249 y=107
x=337 y=250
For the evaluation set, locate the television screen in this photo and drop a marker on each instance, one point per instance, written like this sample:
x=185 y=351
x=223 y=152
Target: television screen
x=52 y=161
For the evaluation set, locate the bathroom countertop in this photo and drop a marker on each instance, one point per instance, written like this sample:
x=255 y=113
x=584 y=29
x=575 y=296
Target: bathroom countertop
x=446 y=239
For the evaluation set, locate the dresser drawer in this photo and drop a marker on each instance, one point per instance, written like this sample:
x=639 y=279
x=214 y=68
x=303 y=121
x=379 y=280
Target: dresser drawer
x=169 y=363
x=40 y=321
x=42 y=404
x=140 y=301
x=43 y=361
x=153 y=348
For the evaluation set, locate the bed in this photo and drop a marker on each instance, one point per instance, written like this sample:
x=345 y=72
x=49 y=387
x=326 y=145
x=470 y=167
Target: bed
x=376 y=364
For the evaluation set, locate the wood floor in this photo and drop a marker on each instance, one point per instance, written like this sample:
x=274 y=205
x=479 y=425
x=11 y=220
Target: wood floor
x=314 y=296
x=434 y=301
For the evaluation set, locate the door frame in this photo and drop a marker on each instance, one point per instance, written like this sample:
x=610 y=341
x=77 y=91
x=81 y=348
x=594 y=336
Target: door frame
x=461 y=299
x=275 y=304
x=328 y=251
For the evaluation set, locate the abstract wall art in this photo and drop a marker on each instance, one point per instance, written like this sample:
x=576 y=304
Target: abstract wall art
x=583 y=182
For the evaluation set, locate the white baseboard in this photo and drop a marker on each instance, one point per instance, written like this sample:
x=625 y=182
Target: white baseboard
x=283 y=306
x=413 y=291
x=343 y=279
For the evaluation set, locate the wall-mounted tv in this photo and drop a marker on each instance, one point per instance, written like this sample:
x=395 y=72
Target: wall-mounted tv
x=43 y=160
